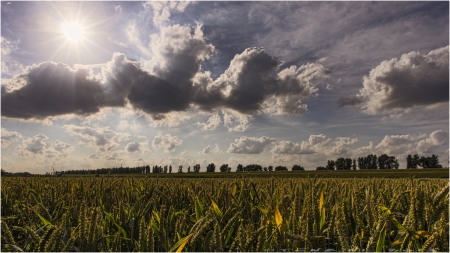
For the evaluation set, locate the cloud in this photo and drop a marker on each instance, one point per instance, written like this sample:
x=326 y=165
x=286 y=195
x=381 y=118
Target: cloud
x=93 y=156
x=39 y=146
x=63 y=148
x=397 y=144
x=178 y=54
x=250 y=145
x=213 y=122
x=170 y=83
x=252 y=83
x=437 y=139
x=163 y=10
x=208 y=150
x=118 y=9
x=315 y=144
x=9 y=137
x=50 y=89
x=166 y=142
x=112 y=157
x=235 y=121
x=413 y=80
x=7 y=46
x=133 y=147
x=290 y=148
x=33 y=146
x=124 y=124
x=296 y=84
x=101 y=138
x=136 y=146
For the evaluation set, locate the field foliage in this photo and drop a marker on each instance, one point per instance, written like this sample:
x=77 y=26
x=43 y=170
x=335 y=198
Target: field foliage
x=228 y=214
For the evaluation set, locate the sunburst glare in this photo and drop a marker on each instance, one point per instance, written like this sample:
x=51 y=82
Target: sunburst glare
x=73 y=31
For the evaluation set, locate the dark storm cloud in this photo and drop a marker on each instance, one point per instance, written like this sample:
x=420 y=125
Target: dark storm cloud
x=50 y=89
x=412 y=80
x=252 y=78
x=179 y=52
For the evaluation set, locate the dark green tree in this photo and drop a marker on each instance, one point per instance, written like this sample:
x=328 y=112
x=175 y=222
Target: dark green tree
x=409 y=162
x=211 y=167
x=281 y=168
x=330 y=165
x=224 y=168
x=297 y=168
x=354 y=164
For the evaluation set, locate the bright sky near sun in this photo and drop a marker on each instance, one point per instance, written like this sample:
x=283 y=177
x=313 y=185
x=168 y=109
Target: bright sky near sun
x=88 y=85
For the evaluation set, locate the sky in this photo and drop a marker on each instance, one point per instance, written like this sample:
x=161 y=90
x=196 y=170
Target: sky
x=87 y=85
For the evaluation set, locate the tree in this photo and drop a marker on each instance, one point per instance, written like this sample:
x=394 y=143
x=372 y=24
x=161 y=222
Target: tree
x=211 y=168
x=170 y=169
x=197 y=168
x=330 y=165
x=348 y=163
x=297 y=168
x=361 y=164
x=240 y=168
x=383 y=161
x=270 y=168
x=253 y=167
x=409 y=162
x=354 y=164
x=189 y=169
x=415 y=161
x=224 y=168
x=372 y=161
x=321 y=168
x=392 y=162
x=180 y=169
x=281 y=168
x=433 y=161
x=340 y=163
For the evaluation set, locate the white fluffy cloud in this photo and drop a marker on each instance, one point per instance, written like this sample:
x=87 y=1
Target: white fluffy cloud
x=101 y=138
x=208 y=150
x=33 y=146
x=9 y=137
x=235 y=121
x=136 y=146
x=437 y=139
x=162 y=10
x=166 y=142
x=290 y=148
x=39 y=146
x=316 y=144
x=399 y=84
x=397 y=144
x=213 y=122
x=250 y=145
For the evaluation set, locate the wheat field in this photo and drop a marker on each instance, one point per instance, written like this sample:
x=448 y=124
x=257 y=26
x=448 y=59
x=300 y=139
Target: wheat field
x=245 y=214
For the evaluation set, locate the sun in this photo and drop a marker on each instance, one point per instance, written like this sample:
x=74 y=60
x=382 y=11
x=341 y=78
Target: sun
x=74 y=32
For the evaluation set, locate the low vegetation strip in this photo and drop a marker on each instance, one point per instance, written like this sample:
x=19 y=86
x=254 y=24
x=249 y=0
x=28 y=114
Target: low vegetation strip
x=401 y=173
x=224 y=214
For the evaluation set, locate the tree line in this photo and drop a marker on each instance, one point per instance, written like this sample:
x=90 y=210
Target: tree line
x=372 y=162
x=369 y=162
